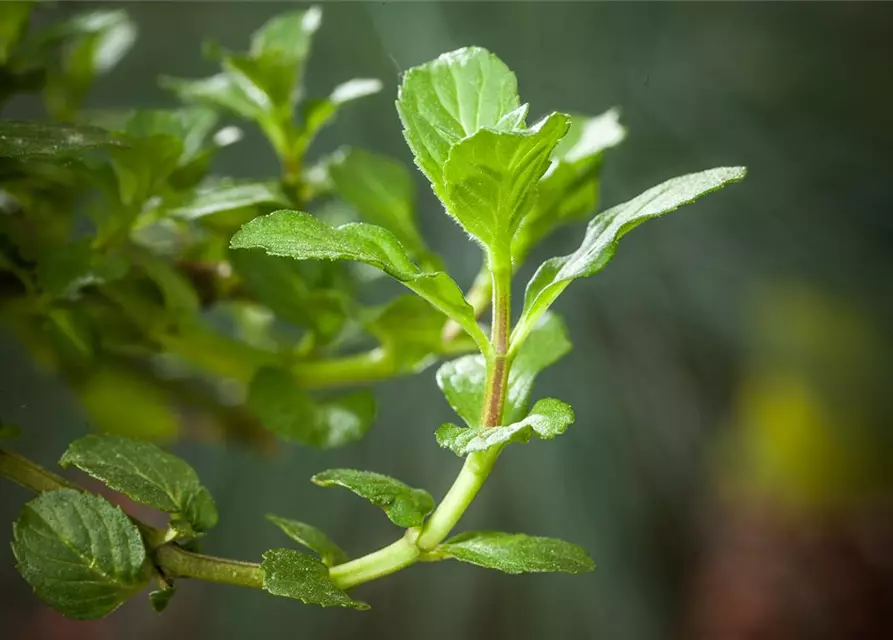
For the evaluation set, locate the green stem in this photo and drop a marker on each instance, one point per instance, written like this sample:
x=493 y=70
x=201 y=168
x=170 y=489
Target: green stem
x=377 y=564
x=176 y=562
x=415 y=545
x=29 y=475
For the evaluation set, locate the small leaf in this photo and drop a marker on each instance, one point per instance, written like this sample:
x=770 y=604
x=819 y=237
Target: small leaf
x=491 y=179
x=222 y=91
x=404 y=506
x=292 y=574
x=547 y=419
x=13 y=23
x=381 y=190
x=312 y=538
x=300 y=236
x=288 y=35
x=517 y=553
x=44 y=140
x=463 y=380
x=569 y=189
x=146 y=474
x=605 y=231
x=286 y=410
x=225 y=196
x=451 y=98
x=160 y=598
x=80 y=554
x=317 y=113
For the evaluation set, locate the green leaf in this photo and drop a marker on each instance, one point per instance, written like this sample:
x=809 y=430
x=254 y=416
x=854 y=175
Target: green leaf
x=221 y=90
x=605 y=231
x=411 y=332
x=63 y=272
x=381 y=190
x=451 y=98
x=92 y=44
x=288 y=35
x=300 y=236
x=49 y=141
x=180 y=298
x=317 y=113
x=292 y=574
x=404 y=506
x=146 y=474
x=569 y=189
x=80 y=554
x=491 y=179
x=286 y=410
x=121 y=402
x=13 y=22
x=226 y=196
x=279 y=285
x=517 y=553
x=312 y=538
x=190 y=125
x=160 y=598
x=547 y=419
x=463 y=380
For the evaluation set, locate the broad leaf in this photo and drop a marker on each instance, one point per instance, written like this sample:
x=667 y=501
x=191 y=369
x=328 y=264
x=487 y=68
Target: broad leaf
x=404 y=506
x=226 y=196
x=292 y=574
x=547 y=419
x=605 y=231
x=381 y=190
x=451 y=98
x=312 y=538
x=569 y=189
x=300 y=236
x=51 y=141
x=146 y=474
x=517 y=553
x=491 y=179
x=288 y=411
x=81 y=555
x=463 y=380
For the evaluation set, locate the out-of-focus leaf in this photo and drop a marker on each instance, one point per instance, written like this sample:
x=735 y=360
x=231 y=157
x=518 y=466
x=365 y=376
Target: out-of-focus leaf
x=51 y=141
x=279 y=285
x=13 y=21
x=403 y=505
x=312 y=538
x=63 y=272
x=121 y=403
x=547 y=419
x=292 y=574
x=517 y=553
x=288 y=411
x=226 y=196
x=381 y=190
x=146 y=474
x=80 y=554
x=317 y=113
x=410 y=330
x=160 y=598
x=301 y=236
x=605 y=231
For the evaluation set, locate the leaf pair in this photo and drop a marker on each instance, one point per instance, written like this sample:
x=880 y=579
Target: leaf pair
x=82 y=555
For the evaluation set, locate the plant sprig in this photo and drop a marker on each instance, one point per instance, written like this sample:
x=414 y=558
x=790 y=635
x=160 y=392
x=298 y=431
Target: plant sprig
x=508 y=185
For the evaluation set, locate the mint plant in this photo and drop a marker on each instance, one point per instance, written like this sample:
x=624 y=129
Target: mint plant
x=506 y=183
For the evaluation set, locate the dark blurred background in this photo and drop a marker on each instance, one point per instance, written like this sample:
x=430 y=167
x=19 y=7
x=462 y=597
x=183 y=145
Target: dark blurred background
x=730 y=469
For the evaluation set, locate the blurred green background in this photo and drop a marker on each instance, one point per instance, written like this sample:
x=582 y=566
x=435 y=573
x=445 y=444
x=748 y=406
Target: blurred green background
x=730 y=468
